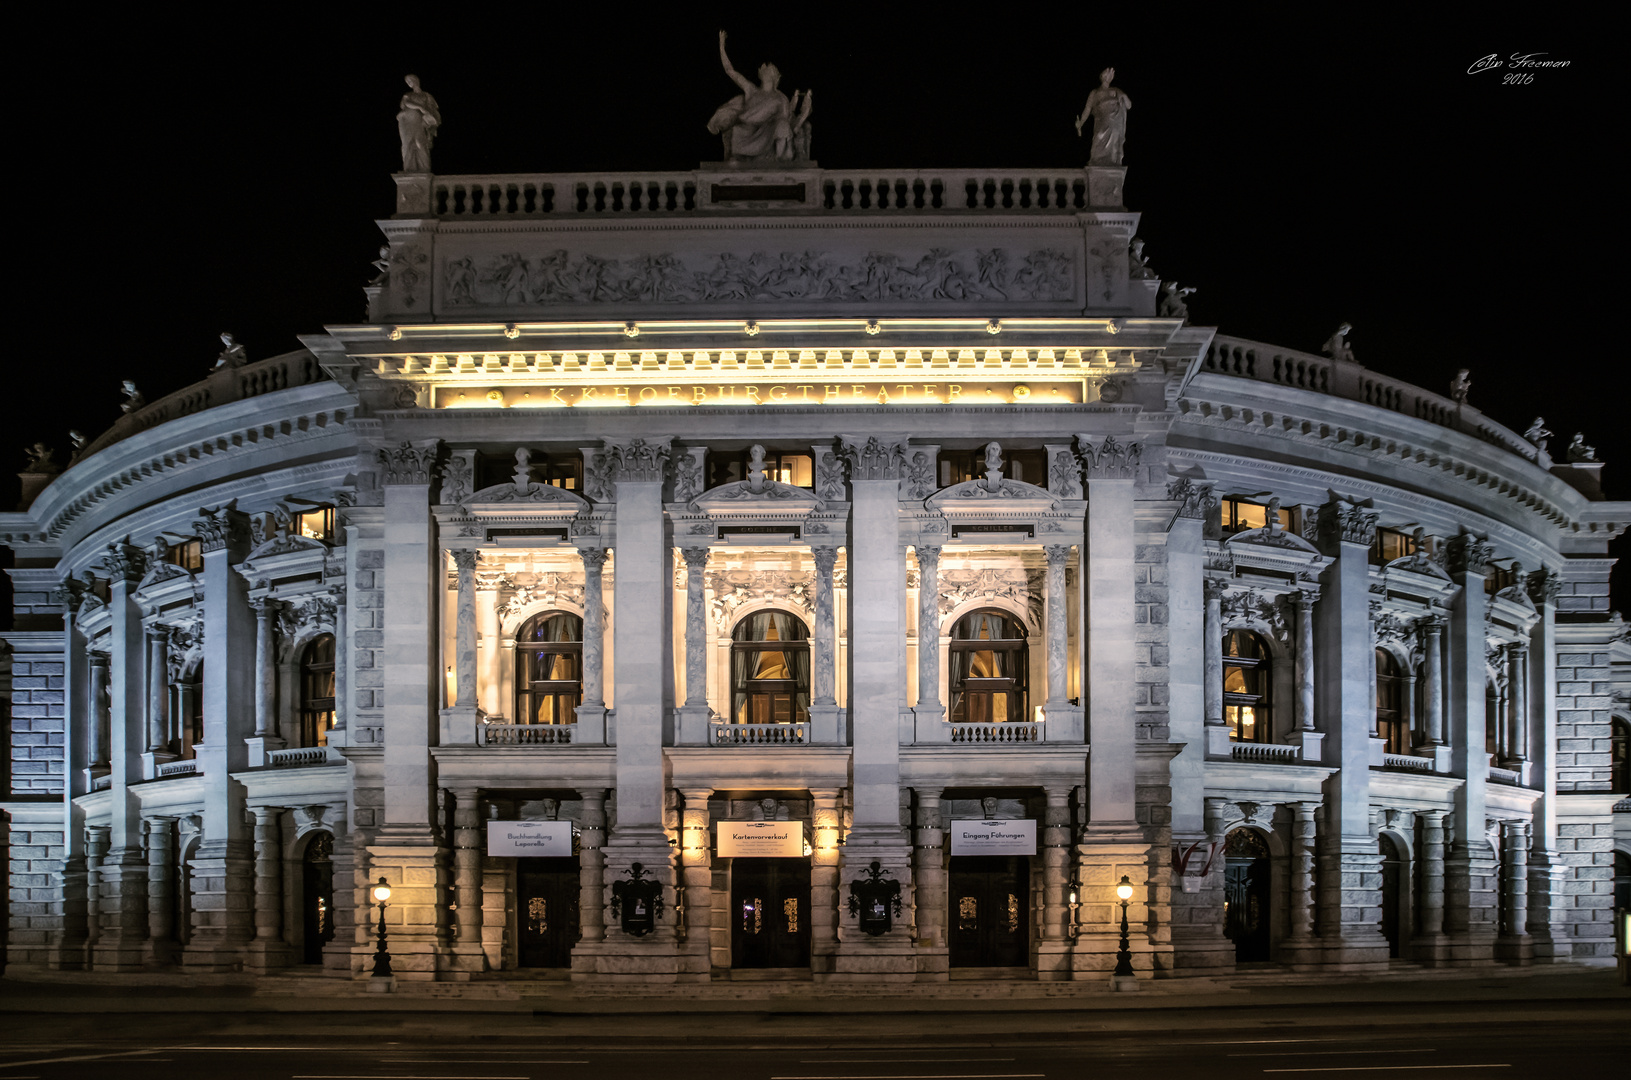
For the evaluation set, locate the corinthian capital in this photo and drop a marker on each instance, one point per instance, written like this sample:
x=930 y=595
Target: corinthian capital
x=223 y=526
x=638 y=461
x=124 y=562
x=1111 y=459
x=1468 y=554
x=1347 y=522
x=410 y=464
x=873 y=458
x=1545 y=586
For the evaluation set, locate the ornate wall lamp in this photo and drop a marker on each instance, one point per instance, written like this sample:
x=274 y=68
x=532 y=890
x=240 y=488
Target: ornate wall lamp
x=1073 y=895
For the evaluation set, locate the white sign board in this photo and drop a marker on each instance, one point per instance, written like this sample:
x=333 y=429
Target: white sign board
x=994 y=837
x=761 y=839
x=529 y=839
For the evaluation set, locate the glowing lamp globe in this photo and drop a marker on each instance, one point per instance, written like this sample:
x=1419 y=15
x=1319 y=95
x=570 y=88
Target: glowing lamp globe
x=1125 y=889
x=382 y=892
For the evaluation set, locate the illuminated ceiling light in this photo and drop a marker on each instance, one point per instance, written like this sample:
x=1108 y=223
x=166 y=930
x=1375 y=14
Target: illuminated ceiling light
x=394 y=333
x=1113 y=326
x=993 y=326
x=750 y=328
x=872 y=327
x=512 y=331
x=631 y=330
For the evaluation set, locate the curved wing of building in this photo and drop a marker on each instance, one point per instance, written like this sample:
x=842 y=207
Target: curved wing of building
x=855 y=575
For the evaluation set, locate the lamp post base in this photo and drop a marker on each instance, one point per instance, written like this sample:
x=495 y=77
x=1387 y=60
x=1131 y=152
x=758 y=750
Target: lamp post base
x=382 y=984
x=1123 y=983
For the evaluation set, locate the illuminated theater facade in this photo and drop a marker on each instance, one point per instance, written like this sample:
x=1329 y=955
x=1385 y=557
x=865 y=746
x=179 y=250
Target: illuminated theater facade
x=845 y=575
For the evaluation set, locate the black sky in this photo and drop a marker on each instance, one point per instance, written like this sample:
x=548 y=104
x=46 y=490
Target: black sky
x=172 y=179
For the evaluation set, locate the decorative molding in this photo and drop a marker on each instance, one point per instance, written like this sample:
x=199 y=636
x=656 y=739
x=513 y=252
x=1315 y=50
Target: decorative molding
x=1545 y=586
x=1197 y=502
x=919 y=481
x=689 y=475
x=637 y=461
x=549 y=589
x=1468 y=554
x=222 y=526
x=458 y=477
x=511 y=279
x=1249 y=605
x=1023 y=588
x=732 y=589
x=829 y=475
x=1348 y=522
x=124 y=562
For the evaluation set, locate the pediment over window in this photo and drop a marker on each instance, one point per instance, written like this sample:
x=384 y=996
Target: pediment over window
x=988 y=494
x=509 y=495
x=284 y=554
x=742 y=496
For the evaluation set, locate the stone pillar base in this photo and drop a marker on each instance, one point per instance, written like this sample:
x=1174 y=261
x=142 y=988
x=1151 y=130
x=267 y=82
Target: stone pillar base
x=1550 y=946
x=624 y=959
x=1464 y=950
x=1053 y=961
x=591 y=726
x=1515 y=949
x=458 y=723
x=933 y=963
x=693 y=725
x=1217 y=741
x=410 y=861
x=223 y=907
x=162 y=954
x=1094 y=956
x=1065 y=723
x=824 y=726
x=1123 y=983
x=121 y=943
x=1311 y=743
x=1430 y=950
x=152 y=759
x=929 y=724
x=873 y=960
x=65 y=956
x=262 y=957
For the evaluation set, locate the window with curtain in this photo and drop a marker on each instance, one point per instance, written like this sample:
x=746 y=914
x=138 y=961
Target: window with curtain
x=1246 y=681
x=1390 y=718
x=549 y=669
x=987 y=667
x=770 y=669
x=317 y=690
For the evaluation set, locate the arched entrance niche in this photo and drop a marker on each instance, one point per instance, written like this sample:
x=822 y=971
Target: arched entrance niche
x=1248 y=895
x=316 y=896
x=1395 y=889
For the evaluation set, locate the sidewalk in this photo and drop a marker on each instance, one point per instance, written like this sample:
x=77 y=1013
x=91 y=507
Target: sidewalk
x=147 y=993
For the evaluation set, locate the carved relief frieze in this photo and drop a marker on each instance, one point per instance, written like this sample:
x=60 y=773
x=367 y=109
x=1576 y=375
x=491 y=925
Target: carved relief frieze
x=520 y=592
x=1249 y=605
x=1468 y=554
x=511 y=279
x=1111 y=459
x=1349 y=522
x=409 y=464
x=829 y=475
x=731 y=589
x=873 y=458
x=1020 y=586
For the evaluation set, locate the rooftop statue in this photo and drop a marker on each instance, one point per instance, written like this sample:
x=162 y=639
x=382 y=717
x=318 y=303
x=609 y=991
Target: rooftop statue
x=417 y=119
x=1138 y=264
x=383 y=265
x=1460 y=386
x=77 y=440
x=1108 y=106
x=232 y=355
x=1172 y=301
x=133 y=397
x=40 y=459
x=760 y=124
x=1538 y=434
x=1579 y=451
x=1337 y=347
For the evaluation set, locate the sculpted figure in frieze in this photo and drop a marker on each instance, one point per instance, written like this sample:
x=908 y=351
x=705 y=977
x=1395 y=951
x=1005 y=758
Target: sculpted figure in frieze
x=1107 y=105
x=1337 y=347
x=417 y=119
x=760 y=123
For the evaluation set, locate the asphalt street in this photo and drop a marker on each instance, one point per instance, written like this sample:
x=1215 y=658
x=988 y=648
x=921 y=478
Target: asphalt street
x=1472 y=1039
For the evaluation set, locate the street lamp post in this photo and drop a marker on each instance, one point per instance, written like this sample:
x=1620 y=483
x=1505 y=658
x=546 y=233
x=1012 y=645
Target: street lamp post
x=383 y=979
x=1123 y=978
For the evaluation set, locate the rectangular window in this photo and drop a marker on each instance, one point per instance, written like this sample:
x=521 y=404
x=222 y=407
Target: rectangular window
x=189 y=555
x=316 y=524
x=1238 y=514
x=1391 y=544
x=1026 y=466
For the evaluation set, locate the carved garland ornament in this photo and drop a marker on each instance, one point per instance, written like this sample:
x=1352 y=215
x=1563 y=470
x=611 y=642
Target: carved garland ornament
x=1019 y=587
x=732 y=589
x=1240 y=605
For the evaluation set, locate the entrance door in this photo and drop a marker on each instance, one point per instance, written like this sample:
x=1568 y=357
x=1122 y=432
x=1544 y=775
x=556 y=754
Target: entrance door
x=1392 y=881
x=317 y=896
x=770 y=913
x=1246 y=895
x=990 y=910
x=546 y=896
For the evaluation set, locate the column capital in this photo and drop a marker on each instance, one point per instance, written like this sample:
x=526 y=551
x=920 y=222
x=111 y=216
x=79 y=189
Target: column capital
x=636 y=461
x=696 y=558
x=1195 y=501
x=1111 y=459
x=465 y=559
x=1545 y=586
x=826 y=558
x=1304 y=599
x=1057 y=555
x=225 y=526
x=1348 y=522
x=594 y=558
x=410 y=463
x=1213 y=589
x=1468 y=554
x=68 y=594
x=124 y=562
x=874 y=457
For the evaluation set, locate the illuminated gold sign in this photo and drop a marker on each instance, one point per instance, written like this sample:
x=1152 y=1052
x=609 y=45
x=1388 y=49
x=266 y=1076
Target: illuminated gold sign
x=763 y=393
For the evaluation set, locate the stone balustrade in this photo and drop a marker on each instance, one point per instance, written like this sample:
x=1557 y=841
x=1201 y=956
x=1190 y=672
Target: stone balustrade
x=171 y=769
x=524 y=734
x=815 y=190
x=1352 y=381
x=759 y=734
x=1408 y=762
x=1245 y=751
x=298 y=756
x=996 y=734
x=1498 y=775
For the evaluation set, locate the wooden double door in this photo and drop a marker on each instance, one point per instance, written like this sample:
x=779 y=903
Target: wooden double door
x=546 y=895
x=770 y=913
x=990 y=910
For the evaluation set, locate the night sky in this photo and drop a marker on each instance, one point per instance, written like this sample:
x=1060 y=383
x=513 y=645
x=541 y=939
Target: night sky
x=171 y=180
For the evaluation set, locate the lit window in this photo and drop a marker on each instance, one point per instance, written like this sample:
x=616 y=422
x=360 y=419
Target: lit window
x=317 y=691
x=1246 y=687
x=189 y=555
x=1391 y=544
x=770 y=669
x=1240 y=514
x=549 y=669
x=316 y=524
x=1390 y=719
x=987 y=669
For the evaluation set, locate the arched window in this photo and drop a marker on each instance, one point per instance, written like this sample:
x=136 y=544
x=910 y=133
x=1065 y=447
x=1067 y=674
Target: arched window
x=1619 y=745
x=1492 y=719
x=191 y=712
x=987 y=670
x=317 y=690
x=1246 y=687
x=770 y=669
x=1390 y=717
x=549 y=669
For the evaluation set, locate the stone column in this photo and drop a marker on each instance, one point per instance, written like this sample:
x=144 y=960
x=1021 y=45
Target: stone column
x=694 y=716
x=1053 y=951
x=97 y=719
x=1350 y=865
x=1547 y=902
x=1469 y=864
x=342 y=668
x=591 y=868
x=265 y=664
x=268 y=949
x=96 y=851
x=406 y=849
x=824 y=653
x=877 y=580
x=66 y=943
x=1310 y=740
x=1517 y=713
x=592 y=713
x=1429 y=945
x=1432 y=631
x=1217 y=732
x=468 y=956
x=825 y=817
x=459 y=718
x=929 y=878
x=1304 y=842
x=161 y=873
x=1058 y=639
x=122 y=945
x=1112 y=844
x=696 y=961
x=490 y=651
x=1514 y=945
x=158 y=688
x=929 y=714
